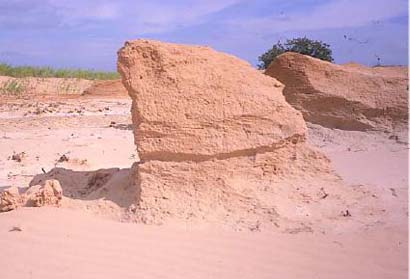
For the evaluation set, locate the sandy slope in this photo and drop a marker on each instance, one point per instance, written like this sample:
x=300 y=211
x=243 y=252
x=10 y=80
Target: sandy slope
x=68 y=244
x=65 y=243
x=377 y=160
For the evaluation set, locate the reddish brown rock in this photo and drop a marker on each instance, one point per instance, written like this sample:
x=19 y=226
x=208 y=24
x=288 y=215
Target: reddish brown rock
x=350 y=97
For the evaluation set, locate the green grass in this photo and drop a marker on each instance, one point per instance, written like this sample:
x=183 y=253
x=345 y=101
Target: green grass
x=45 y=72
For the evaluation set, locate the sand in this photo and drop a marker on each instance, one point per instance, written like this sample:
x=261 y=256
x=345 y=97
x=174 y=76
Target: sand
x=69 y=244
x=85 y=239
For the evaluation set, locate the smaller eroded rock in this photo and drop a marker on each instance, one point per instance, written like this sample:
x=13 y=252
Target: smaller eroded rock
x=49 y=194
x=10 y=199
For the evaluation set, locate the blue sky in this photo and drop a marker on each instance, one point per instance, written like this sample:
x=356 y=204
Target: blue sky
x=87 y=34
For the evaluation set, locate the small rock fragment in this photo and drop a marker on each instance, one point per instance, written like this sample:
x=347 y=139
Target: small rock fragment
x=10 y=199
x=63 y=158
x=346 y=213
x=49 y=194
x=15 y=229
x=18 y=157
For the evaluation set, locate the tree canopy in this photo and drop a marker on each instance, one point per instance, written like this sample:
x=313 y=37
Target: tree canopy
x=317 y=49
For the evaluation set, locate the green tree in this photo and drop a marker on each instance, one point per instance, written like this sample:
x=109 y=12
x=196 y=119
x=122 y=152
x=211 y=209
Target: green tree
x=317 y=49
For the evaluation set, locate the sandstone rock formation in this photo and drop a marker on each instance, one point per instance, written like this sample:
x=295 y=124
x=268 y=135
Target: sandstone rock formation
x=192 y=103
x=219 y=143
x=48 y=194
x=349 y=97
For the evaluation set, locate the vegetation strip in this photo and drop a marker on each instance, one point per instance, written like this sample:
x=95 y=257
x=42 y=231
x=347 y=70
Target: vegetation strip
x=46 y=72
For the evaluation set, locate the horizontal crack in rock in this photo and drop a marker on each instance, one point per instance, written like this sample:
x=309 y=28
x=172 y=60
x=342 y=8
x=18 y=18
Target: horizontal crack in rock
x=181 y=157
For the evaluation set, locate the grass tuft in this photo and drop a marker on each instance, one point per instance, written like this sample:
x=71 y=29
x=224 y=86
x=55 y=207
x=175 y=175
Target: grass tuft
x=46 y=72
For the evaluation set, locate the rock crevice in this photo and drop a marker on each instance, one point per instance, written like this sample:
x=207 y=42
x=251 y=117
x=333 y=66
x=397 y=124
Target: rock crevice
x=180 y=157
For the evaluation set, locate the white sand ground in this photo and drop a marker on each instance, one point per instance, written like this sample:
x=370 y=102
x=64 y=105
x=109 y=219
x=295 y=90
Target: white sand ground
x=86 y=138
x=70 y=243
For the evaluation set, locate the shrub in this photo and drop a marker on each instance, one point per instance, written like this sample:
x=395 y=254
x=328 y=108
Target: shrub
x=305 y=46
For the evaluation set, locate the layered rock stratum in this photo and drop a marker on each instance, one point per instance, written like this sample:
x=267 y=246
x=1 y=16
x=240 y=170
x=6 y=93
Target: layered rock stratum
x=219 y=144
x=348 y=97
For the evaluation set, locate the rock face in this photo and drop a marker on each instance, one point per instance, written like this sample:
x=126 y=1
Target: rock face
x=348 y=97
x=192 y=103
x=219 y=143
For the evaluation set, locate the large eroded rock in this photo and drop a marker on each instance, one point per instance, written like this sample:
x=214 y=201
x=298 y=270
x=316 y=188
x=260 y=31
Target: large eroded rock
x=349 y=97
x=193 y=103
x=220 y=144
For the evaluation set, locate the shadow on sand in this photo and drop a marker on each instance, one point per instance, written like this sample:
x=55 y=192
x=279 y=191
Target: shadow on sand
x=112 y=184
